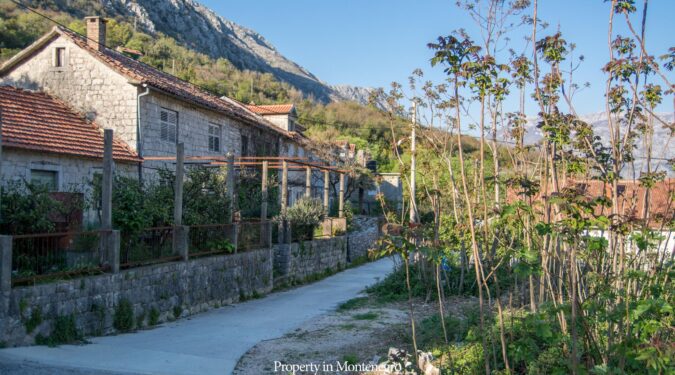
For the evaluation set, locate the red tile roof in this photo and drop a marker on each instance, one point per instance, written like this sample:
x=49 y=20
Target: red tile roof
x=272 y=109
x=631 y=202
x=37 y=121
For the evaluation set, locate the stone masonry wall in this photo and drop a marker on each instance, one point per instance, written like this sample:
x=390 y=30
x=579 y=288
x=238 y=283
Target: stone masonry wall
x=297 y=262
x=74 y=174
x=182 y=288
x=361 y=241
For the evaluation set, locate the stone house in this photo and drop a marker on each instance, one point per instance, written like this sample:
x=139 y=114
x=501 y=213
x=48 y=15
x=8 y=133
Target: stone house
x=285 y=117
x=45 y=141
x=150 y=110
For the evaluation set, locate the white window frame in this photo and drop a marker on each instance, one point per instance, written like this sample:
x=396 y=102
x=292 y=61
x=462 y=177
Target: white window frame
x=215 y=134
x=168 y=131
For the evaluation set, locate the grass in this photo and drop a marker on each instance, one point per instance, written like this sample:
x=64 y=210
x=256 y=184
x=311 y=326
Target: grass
x=353 y=303
x=366 y=316
x=351 y=359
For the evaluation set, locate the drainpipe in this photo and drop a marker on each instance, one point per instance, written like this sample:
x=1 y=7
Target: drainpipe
x=139 y=138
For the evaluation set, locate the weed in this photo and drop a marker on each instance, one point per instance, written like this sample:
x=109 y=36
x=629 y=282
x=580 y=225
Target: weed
x=177 y=311
x=366 y=316
x=140 y=318
x=350 y=359
x=64 y=331
x=353 y=303
x=153 y=317
x=34 y=320
x=123 y=320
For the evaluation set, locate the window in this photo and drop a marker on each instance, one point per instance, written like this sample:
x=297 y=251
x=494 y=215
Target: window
x=214 y=137
x=59 y=57
x=48 y=179
x=169 y=125
x=244 y=145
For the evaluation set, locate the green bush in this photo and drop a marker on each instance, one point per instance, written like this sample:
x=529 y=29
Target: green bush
x=34 y=320
x=64 y=331
x=153 y=317
x=26 y=208
x=123 y=320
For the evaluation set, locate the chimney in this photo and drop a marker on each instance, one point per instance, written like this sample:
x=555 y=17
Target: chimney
x=95 y=32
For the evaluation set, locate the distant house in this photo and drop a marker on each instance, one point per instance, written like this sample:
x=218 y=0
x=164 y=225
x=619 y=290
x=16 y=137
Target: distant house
x=284 y=116
x=658 y=215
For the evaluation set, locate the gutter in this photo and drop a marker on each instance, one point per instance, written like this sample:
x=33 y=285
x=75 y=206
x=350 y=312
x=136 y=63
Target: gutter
x=139 y=134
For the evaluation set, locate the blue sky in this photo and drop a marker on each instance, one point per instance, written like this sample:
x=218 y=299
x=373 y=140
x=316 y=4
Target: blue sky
x=374 y=42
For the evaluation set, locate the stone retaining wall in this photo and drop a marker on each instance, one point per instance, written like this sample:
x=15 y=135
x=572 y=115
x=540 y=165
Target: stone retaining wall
x=171 y=290
x=298 y=262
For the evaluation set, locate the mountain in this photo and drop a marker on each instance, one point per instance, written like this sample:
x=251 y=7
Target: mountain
x=199 y=28
x=662 y=147
x=354 y=93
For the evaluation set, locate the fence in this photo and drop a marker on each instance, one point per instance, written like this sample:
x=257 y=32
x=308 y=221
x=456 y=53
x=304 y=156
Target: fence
x=148 y=246
x=211 y=239
x=254 y=235
x=329 y=227
x=37 y=257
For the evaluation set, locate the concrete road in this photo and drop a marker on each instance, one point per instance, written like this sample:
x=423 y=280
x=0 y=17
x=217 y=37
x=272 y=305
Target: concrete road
x=208 y=343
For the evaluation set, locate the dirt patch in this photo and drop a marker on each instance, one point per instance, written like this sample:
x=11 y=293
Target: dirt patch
x=360 y=331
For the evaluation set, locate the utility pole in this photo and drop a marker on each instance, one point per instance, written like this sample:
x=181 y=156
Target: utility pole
x=413 y=204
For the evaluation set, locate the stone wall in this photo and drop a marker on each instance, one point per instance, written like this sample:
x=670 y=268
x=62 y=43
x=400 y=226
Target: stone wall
x=173 y=290
x=298 y=262
x=74 y=174
x=364 y=239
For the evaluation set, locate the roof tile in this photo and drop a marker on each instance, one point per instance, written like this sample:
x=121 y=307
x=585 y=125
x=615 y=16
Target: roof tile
x=37 y=121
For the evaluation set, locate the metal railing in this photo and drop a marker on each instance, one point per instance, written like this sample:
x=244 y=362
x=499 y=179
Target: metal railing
x=211 y=239
x=148 y=246
x=254 y=235
x=36 y=257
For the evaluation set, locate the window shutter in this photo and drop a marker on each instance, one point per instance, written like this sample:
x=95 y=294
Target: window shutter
x=168 y=125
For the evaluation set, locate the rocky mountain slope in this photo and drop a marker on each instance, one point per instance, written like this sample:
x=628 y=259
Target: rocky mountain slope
x=662 y=145
x=199 y=28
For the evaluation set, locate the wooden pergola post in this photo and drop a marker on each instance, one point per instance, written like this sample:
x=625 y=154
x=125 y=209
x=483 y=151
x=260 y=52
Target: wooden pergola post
x=284 y=186
x=263 y=206
x=106 y=188
x=326 y=191
x=308 y=182
x=230 y=186
x=178 y=186
x=284 y=235
x=341 y=206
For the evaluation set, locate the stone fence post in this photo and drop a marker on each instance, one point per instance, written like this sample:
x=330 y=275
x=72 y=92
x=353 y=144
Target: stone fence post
x=5 y=280
x=5 y=264
x=181 y=235
x=235 y=235
x=110 y=247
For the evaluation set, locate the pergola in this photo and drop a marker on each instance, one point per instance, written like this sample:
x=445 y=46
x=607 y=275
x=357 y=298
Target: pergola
x=282 y=163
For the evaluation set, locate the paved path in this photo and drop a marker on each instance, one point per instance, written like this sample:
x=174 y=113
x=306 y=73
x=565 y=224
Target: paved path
x=211 y=342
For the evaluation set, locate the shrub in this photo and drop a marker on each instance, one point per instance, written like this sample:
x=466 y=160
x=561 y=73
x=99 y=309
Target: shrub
x=34 y=320
x=123 y=319
x=153 y=317
x=306 y=211
x=64 y=331
x=26 y=208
